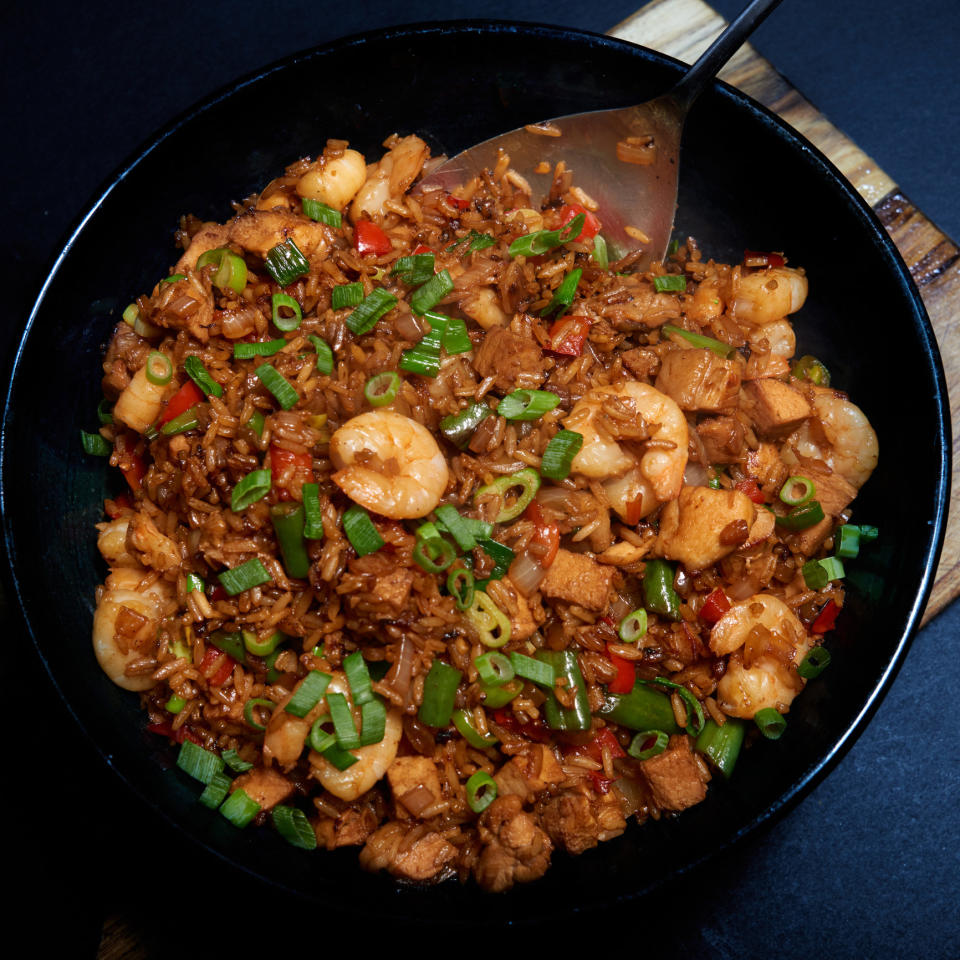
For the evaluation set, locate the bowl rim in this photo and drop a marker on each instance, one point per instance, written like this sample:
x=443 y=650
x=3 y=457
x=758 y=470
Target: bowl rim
x=811 y=777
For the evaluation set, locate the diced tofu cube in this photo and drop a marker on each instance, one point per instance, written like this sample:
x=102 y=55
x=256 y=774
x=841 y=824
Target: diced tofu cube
x=775 y=407
x=833 y=493
x=264 y=785
x=699 y=380
x=722 y=438
x=578 y=579
x=675 y=778
x=411 y=779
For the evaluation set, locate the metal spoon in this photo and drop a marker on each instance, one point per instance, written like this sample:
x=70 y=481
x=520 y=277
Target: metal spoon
x=635 y=200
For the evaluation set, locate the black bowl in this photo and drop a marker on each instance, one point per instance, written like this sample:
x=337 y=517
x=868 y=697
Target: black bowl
x=746 y=181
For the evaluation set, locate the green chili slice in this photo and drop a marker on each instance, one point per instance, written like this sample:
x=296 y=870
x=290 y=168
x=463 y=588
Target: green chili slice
x=439 y=694
x=527 y=404
x=288 y=522
x=528 y=480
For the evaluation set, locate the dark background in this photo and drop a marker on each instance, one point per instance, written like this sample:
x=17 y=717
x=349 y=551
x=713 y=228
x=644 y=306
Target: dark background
x=866 y=866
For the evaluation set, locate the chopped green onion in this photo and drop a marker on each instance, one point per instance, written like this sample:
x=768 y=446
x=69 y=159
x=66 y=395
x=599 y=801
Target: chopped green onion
x=309 y=693
x=285 y=263
x=566 y=667
x=159 y=368
x=262 y=648
x=527 y=404
x=422 y=360
x=564 y=294
x=239 y=808
x=458 y=527
x=868 y=533
x=670 y=283
x=95 y=445
x=490 y=622
x=455 y=337
x=195 y=582
x=253 y=487
x=251 y=705
x=415 y=269
x=247 y=575
x=673 y=247
x=358 y=678
x=373 y=306
x=231 y=273
x=340 y=758
x=215 y=791
x=528 y=480
x=638 y=748
x=495 y=697
x=278 y=385
x=478 y=241
x=818 y=573
x=810 y=368
x=287 y=520
x=481 y=791
x=130 y=314
x=721 y=745
x=103 y=411
x=495 y=669
x=373 y=721
x=343 y=725
x=771 y=723
x=312 y=513
x=346 y=295
x=643 y=708
x=273 y=674
x=324 y=354
x=382 y=388
x=262 y=348
x=432 y=292
x=320 y=212
x=658 y=589
x=188 y=420
x=433 y=554
x=464 y=724
x=257 y=422
x=235 y=762
x=540 y=241
x=460 y=585
x=292 y=824
x=600 y=255
x=197 y=762
x=283 y=301
x=793 y=498
x=501 y=555
x=720 y=348
x=360 y=531
x=633 y=626
x=536 y=671
x=458 y=428
x=714 y=483
x=800 y=518
x=847 y=541
x=478 y=529
x=695 y=715
x=559 y=454
x=199 y=374
x=321 y=740
x=814 y=663
x=439 y=694
x=230 y=642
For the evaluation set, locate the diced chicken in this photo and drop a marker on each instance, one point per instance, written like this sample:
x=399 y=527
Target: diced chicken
x=423 y=856
x=699 y=380
x=185 y=304
x=264 y=786
x=722 y=438
x=765 y=465
x=807 y=542
x=516 y=362
x=515 y=849
x=676 y=779
x=644 y=307
x=762 y=529
x=414 y=783
x=393 y=588
x=529 y=772
x=702 y=525
x=833 y=493
x=642 y=362
x=578 y=579
x=579 y=819
x=350 y=829
x=775 y=407
x=622 y=554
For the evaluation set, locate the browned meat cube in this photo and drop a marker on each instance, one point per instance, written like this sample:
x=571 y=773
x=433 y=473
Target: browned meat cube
x=516 y=362
x=578 y=579
x=722 y=439
x=579 y=819
x=390 y=848
x=702 y=525
x=676 y=779
x=350 y=829
x=807 y=542
x=415 y=784
x=699 y=380
x=775 y=407
x=515 y=849
x=264 y=785
x=833 y=492
x=530 y=772
x=765 y=465
x=642 y=362
x=394 y=588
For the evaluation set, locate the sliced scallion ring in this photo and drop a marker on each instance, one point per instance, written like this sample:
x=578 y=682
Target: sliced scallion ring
x=248 y=575
x=292 y=824
x=460 y=583
x=285 y=263
x=240 y=808
x=253 y=487
x=633 y=626
x=695 y=715
x=278 y=385
x=560 y=453
x=381 y=389
x=231 y=273
x=638 y=748
x=771 y=723
x=95 y=445
x=481 y=791
x=434 y=554
x=670 y=283
x=199 y=374
x=814 y=663
x=360 y=531
x=251 y=705
x=283 y=321
x=324 y=354
x=527 y=404
x=528 y=480
x=794 y=497
x=346 y=295
x=262 y=348
x=432 y=292
x=320 y=212
x=159 y=368
x=491 y=623
x=495 y=669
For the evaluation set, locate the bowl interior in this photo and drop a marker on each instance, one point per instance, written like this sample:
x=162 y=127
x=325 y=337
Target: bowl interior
x=745 y=182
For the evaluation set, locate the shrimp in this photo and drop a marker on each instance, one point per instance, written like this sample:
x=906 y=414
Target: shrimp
x=649 y=478
x=389 y=464
x=140 y=403
x=372 y=761
x=769 y=681
x=772 y=346
x=769 y=295
x=484 y=307
x=156 y=550
x=114 y=654
x=112 y=543
x=841 y=436
x=334 y=180
x=389 y=178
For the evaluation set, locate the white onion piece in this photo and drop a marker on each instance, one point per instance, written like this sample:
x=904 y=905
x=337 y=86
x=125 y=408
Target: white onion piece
x=695 y=475
x=556 y=498
x=526 y=573
x=742 y=589
x=398 y=676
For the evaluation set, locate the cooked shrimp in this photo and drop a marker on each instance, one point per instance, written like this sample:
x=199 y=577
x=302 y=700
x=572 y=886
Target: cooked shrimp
x=391 y=177
x=841 y=437
x=484 y=307
x=769 y=295
x=653 y=477
x=334 y=180
x=140 y=403
x=286 y=733
x=706 y=303
x=372 y=761
x=156 y=550
x=770 y=680
x=772 y=345
x=389 y=464
x=112 y=543
x=115 y=654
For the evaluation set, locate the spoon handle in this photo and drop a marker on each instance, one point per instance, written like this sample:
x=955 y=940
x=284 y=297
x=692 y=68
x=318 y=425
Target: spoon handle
x=712 y=60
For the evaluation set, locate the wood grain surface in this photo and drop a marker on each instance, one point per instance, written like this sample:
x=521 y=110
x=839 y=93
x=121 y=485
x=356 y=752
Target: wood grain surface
x=684 y=29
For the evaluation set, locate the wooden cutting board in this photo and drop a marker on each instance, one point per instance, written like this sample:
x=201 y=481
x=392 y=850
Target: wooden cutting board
x=684 y=29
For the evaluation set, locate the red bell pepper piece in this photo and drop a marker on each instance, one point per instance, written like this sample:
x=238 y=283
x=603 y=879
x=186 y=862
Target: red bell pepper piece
x=165 y=729
x=422 y=248
x=135 y=472
x=186 y=397
x=826 y=619
x=547 y=534
x=569 y=334
x=532 y=729
x=594 y=748
x=591 y=225
x=626 y=675
x=213 y=669
x=115 y=507
x=751 y=488
x=289 y=471
x=634 y=511
x=370 y=240
x=715 y=606
x=601 y=784
x=755 y=258
x=457 y=202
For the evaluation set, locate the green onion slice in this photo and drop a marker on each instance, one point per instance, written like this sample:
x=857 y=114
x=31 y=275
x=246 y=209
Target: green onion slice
x=312 y=513
x=439 y=694
x=670 y=283
x=199 y=374
x=230 y=642
x=695 y=715
x=215 y=791
x=800 y=518
x=373 y=721
x=239 y=808
x=771 y=723
x=287 y=520
x=540 y=241
x=283 y=301
x=458 y=428
x=793 y=497
x=292 y=824
x=720 y=348
x=382 y=388
x=459 y=528
x=188 y=420
x=340 y=758
x=633 y=626
x=415 y=269
x=360 y=531
x=600 y=255
x=321 y=740
x=495 y=669
x=231 y=273
x=560 y=453
x=103 y=411
x=262 y=348
x=847 y=541
x=528 y=480
x=455 y=337
x=95 y=445
x=810 y=368
x=343 y=725
x=814 y=663
x=527 y=404
x=324 y=354
x=195 y=582
x=309 y=693
x=481 y=791
x=253 y=487
x=490 y=622
x=262 y=648
x=868 y=533
x=159 y=368
x=564 y=294
x=460 y=584
x=346 y=295
x=638 y=748
x=199 y=763
x=501 y=555
x=173 y=278
x=373 y=306
x=285 y=263
x=251 y=705
x=257 y=422
x=495 y=697
x=235 y=762
x=818 y=573
x=721 y=745
x=320 y=212
x=536 y=671
x=247 y=575
x=434 y=554
x=278 y=385
x=464 y=724
x=358 y=677
x=432 y=292
x=175 y=704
